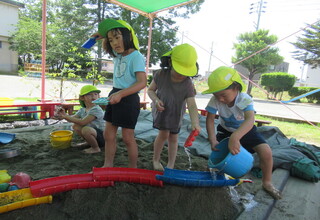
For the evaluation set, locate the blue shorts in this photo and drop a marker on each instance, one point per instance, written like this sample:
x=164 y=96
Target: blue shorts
x=125 y=113
x=248 y=141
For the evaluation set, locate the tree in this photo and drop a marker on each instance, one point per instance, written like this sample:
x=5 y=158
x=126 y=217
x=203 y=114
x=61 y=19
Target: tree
x=71 y=22
x=250 y=43
x=309 y=46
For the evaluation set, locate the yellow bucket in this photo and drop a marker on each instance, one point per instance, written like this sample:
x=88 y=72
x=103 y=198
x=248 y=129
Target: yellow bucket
x=61 y=139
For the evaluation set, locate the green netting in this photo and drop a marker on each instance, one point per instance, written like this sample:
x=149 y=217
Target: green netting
x=150 y=6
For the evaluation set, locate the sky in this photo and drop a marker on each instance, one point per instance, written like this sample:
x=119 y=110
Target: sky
x=219 y=23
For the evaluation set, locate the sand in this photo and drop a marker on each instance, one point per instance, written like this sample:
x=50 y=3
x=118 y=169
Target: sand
x=123 y=200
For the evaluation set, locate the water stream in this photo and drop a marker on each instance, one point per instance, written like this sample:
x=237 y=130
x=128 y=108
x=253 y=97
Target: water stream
x=189 y=158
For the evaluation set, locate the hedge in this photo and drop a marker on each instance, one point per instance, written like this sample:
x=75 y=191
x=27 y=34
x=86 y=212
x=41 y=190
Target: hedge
x=297 y=91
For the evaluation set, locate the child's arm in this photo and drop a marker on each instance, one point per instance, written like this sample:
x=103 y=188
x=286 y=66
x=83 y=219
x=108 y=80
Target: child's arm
x=193 y=112
x=245 y=127
x=153 y=96
x=75 y=119
x=82 y=122
x=136 y=87
x=211 y=130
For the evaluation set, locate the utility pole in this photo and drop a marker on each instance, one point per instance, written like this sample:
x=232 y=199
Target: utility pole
x=258 y=8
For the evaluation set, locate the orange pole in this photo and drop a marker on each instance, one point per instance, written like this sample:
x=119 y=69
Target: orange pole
x=43 y=61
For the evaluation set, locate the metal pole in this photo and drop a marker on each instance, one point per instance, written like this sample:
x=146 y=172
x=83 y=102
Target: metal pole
x=148 y=54
x=43 y=61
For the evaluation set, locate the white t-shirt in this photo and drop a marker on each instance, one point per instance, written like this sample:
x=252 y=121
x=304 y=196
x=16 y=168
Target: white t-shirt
x=231 y=117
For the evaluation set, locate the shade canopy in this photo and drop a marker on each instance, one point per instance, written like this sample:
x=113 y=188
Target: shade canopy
x=149 y=8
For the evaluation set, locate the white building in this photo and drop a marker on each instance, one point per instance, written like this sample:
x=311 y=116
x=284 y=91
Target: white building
x=310 y=77
x=8 y=18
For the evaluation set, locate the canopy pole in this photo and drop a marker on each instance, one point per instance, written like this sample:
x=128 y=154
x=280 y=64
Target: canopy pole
x=43 y=60
x=148 y=54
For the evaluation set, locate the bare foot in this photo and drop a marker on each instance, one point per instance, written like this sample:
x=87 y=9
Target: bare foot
x=91 y=151
x=157 y=166
x=276 y=194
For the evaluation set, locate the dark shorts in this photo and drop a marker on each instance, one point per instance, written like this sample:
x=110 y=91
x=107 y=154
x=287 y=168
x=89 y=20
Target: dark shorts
x=125 y=113
x=100 y=138
x=248 y=141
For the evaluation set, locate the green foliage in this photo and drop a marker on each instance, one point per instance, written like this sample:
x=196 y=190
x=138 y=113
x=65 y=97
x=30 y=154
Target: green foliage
x=149 y=79
x=277 y=82
x=71 y=22
x=308 y=46
x=297 y=91
x=250 y=43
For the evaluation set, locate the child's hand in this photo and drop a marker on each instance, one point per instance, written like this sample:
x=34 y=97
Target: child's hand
x=160 y=105
x=59 y=112
x=214 y=143
x=196 y=127
x=97 y=35
x=115 y=98
x=234 y=146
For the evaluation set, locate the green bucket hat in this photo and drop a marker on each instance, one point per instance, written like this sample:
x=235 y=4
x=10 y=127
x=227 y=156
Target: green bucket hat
x=184 y=59
x=108 y=24
x=221 y=78
x=86 y=90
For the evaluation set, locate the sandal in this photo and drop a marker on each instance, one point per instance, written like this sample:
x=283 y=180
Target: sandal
x=276 y=194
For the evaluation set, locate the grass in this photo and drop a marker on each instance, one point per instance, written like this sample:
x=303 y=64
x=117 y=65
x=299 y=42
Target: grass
x=302 y=132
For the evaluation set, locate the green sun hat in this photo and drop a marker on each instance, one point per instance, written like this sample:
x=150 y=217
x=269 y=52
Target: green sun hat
x=108 y=24
x=221 y=78
x=184 y=59
x=86 y=90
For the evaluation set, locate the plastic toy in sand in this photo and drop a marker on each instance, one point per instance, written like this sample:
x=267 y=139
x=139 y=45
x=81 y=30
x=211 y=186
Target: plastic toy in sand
x=61 y=139
x=6 y=138
x=19 y=199
x=195 y=178
x=58 y=184
x=4 y=176
x=21 y=180
x=131 y=175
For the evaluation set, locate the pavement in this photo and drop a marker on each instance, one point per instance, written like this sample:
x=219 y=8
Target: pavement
x=15 y=86
x=300 y=200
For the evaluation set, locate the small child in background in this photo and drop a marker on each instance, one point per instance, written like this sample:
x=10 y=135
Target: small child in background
x=129 y=77
x=88 y=121
x=236 y=120
x=170 y=90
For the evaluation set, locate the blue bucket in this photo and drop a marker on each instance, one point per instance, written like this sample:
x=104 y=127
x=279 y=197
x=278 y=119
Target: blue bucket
x=234 y=165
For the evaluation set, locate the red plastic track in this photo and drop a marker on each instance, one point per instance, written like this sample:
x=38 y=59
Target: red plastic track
x=132 y=175
x=40 y=185
x=191 y=138
x=70 y=186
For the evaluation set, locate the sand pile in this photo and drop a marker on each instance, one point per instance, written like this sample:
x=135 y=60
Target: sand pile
x=122 y=201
